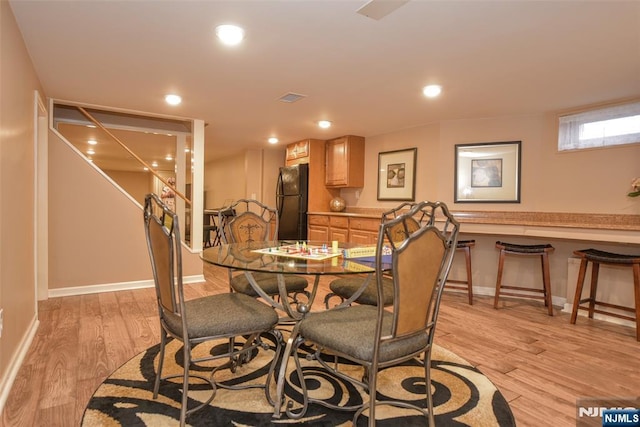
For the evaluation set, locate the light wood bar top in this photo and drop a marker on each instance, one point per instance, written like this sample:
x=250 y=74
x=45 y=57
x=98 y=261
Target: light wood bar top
x=622 y=228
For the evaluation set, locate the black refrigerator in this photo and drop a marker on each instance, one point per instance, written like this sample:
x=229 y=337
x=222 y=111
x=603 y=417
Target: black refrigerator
x=291 y=201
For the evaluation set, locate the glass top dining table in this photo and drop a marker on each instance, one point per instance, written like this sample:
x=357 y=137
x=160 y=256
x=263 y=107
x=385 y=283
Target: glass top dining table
x=308 y=258
x=289 y=257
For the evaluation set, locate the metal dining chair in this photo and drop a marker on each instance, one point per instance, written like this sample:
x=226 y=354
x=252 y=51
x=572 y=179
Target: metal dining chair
x=372 y=335
x=220 y=316
x=253 y=221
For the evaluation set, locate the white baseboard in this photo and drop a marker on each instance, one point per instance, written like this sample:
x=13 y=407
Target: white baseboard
x=16 y=362
x=491 y=291
x=112 y=287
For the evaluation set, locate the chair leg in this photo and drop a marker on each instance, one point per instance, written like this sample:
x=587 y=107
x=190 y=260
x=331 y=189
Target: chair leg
x=595 y=272
x=636 y=287
x=186 y=351
x=546 y=281
x=427 y=383
x=499 y=279
x=372 y=383
x=163 y=341
x=579 y=286
x=467 y=255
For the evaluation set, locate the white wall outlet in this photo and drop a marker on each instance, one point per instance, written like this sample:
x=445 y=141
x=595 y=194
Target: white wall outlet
x=357 y=194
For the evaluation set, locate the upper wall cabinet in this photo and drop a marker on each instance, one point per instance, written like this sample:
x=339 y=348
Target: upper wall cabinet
x=298 y=150
x=345 y=162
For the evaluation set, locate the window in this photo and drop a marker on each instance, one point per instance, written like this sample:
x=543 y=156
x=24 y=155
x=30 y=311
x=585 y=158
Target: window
x=600 y=128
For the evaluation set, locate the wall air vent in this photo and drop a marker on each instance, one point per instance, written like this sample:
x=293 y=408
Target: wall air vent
x=291 y=97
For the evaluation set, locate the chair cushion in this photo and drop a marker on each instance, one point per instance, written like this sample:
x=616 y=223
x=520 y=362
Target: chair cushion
x=351 y=331
x=346 y=287
x=228 y=314
x=269 y=283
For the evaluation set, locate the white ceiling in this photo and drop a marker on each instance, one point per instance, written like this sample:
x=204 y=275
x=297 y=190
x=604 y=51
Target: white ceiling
x=493 y=58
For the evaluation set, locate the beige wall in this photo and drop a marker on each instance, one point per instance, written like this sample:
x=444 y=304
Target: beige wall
x=589 y=181
x=137 y=184
x=18 y=82
x=96 y=234
x=224 y=179
x=249 y=173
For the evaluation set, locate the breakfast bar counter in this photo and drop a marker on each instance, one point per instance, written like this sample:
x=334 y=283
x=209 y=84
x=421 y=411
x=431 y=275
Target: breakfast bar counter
x=617 y=228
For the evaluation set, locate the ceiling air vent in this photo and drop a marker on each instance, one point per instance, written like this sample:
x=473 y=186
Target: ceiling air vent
x=291 y=97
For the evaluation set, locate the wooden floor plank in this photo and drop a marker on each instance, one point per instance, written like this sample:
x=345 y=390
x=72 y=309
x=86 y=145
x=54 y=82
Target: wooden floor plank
x=141 y=334
x=118 y=345
x=93 y=359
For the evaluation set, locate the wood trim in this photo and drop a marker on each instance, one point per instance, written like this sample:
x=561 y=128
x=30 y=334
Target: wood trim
x=533 y=219
x=552 y=219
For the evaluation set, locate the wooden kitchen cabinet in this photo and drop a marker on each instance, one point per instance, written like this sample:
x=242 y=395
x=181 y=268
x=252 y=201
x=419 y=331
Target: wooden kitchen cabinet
x=364 y=231
x=298 y=150
x=359 y=230
x=339 y=228
x=318 y=229
x=345 y=162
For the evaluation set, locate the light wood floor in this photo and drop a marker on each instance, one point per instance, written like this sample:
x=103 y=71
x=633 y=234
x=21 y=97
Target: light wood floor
x=541 y=364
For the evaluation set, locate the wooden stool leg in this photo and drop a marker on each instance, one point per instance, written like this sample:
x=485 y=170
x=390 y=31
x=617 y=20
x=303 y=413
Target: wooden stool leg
x=595 y=272
x=546 y=281
x=499 y=279
x=579 y=285
x=636 y=287
x=467 y=255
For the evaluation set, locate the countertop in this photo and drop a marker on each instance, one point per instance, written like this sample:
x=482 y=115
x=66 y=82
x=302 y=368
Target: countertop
x=579 y=226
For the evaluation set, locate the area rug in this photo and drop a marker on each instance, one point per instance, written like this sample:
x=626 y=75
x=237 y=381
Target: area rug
x=462 y=394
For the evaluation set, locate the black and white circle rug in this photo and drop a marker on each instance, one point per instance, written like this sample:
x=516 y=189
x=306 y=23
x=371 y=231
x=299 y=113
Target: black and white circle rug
x=463 y=396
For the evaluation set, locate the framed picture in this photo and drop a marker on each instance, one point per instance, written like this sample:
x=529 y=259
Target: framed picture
x=487 y=172
x=397 y=175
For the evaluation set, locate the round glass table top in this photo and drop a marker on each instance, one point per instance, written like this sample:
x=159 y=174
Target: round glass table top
x=286 y=257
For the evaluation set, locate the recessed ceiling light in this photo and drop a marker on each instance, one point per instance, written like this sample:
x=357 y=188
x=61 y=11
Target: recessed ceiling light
x=273 y=140
x=431 y=91
x=169 y=158
x=154 y=164
x=92 y=142
x=91 y=151
x=173 y=99
x=145 y=168
x=230 y=35
x=324 y=124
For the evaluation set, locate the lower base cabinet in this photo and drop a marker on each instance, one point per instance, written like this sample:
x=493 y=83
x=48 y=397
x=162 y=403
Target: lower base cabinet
x=318 y=229
x=359 y=230
x=339 y=228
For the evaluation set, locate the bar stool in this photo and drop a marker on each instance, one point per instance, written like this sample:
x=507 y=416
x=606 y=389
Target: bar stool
x=525 y=250
x=598 y=257
x=464 y=246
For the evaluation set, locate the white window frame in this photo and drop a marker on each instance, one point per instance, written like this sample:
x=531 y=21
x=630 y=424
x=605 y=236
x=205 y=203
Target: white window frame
x=570 y=127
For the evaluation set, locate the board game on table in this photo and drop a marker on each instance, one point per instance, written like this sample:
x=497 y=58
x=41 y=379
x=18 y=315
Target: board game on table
x=301 y=251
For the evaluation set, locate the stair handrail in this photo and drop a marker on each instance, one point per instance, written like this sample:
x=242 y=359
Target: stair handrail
x=123 y=145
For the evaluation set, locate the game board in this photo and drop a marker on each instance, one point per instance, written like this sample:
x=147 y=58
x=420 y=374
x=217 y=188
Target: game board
x=300 y=251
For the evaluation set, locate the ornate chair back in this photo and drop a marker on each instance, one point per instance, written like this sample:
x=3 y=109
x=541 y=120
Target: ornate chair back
x=251 y=221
